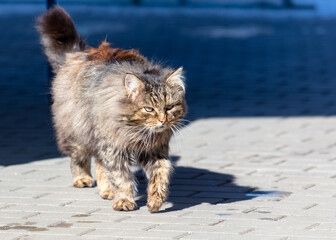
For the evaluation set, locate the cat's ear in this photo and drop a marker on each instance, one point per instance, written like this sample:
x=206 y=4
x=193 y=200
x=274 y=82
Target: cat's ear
x=133 y=86
x=177 y=79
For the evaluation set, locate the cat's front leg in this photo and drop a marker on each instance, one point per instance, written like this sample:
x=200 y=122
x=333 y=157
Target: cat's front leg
x=123 y=189
x=158 y=172
x=121 y=181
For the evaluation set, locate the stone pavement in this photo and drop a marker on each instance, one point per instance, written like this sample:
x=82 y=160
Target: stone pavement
x=257 y=160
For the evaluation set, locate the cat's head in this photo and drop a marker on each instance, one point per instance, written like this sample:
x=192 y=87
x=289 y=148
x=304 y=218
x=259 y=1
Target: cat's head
x=157 y=100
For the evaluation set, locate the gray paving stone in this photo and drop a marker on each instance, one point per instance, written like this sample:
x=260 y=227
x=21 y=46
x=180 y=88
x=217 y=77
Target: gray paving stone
x=178 y=220
x=262 y=110
x=10 y=236
x=322 y=234
x=135 y=233
x=219 y=236
x=212 y=228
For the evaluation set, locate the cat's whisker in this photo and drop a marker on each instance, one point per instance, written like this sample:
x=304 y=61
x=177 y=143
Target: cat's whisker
x=144 y=138
x=138 y=136
x=153 y=141
x=178 y=130
x=133 y=137
x=184 y=120
x=138 y=132
x=141 y=142
x=150 y=142
x=180 y=126
x=142 y=134
x=180 y=133
x=175 y=137
x=128 y=131
x=178 y=136
x=147 y=138
x=176 y=140
x=152 y=135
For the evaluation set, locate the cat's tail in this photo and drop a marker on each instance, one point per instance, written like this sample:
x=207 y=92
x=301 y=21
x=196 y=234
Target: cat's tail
x=58 y=36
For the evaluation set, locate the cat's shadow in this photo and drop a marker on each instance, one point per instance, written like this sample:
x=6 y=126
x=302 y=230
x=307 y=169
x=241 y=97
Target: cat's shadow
x=191 y=186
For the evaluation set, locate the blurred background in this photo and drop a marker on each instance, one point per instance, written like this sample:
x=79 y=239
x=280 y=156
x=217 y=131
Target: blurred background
x=243 y=58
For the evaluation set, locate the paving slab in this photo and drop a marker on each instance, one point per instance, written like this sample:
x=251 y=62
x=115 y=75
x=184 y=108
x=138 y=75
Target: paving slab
x=256 y=160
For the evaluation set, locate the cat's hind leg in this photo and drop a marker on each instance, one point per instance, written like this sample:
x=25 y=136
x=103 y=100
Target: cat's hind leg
x=80 y=166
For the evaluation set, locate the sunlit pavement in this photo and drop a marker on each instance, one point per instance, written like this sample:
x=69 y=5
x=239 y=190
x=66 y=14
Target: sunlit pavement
x=257 y=160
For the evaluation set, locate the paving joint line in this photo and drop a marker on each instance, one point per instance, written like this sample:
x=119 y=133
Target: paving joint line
x=86 y=232
x=182 y=235
x=7 y=206
x=308 y=186
x=308 y=169
x=274 y=219
x=184 y=214
x=67 y=203
x=217 y=222
x=122 y=219
x=93 y=211
x=193 y=193
x=28 y=172
x=226 y=165
x=41 y=195
x=310 y=206
x=247 y=231
x=151 y=227
x=280 y=179
x=15 y=189
x=31 y=215
x=249 y=210
x=311 y=227
x=20 y=237
x=51 y=178
x=280 y=162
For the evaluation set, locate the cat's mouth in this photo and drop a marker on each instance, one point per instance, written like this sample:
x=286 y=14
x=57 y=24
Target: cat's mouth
x=160 y=127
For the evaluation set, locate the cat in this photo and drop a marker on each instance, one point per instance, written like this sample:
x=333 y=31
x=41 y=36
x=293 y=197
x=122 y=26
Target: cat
x=114 y=105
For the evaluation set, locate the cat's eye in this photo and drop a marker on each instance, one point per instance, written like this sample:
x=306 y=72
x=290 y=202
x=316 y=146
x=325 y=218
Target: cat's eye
x=149 y=109
x=169 y=107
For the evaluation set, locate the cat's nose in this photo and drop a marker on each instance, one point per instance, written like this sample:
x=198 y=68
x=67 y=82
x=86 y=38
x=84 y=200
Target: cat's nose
x=163 y=119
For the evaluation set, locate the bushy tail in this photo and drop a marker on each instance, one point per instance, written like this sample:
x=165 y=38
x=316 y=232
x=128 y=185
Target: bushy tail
x=58 y=36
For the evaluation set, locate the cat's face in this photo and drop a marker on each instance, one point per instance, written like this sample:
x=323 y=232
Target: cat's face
x=158 y=107
x=161 y=109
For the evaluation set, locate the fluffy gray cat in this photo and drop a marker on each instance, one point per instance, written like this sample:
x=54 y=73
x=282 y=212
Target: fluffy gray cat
x=113 y=105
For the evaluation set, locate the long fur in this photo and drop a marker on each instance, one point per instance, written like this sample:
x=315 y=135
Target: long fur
x=58 y=36
x=100 y=97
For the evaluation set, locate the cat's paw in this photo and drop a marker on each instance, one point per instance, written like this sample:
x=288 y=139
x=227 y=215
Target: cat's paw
x=124 y=205
x=83 y=182
x=106 y=194
x=154 y=203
